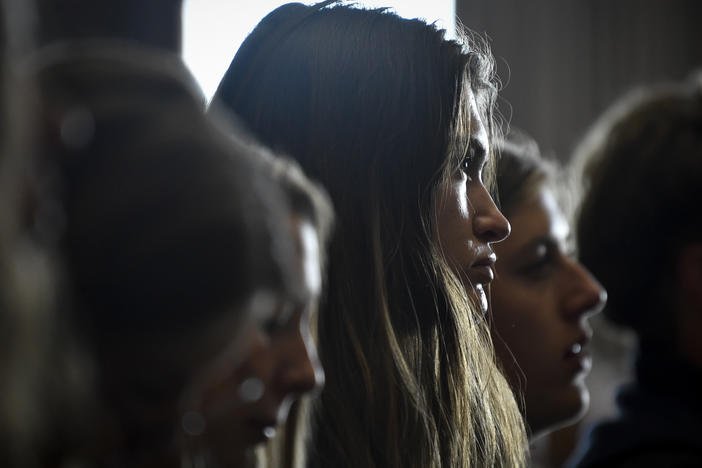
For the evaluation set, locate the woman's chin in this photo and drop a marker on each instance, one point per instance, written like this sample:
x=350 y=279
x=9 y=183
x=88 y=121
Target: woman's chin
x=563 y=411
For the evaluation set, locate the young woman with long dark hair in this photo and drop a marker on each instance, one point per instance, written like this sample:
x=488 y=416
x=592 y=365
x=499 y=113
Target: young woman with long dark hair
x=397 y=123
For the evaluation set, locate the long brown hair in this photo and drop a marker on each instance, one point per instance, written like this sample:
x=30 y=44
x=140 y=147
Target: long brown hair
x=376 y=108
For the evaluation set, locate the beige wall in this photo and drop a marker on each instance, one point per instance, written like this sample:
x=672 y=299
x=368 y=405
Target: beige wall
x=563 y=61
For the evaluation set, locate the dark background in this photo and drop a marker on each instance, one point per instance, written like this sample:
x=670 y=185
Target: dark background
x=563 y=61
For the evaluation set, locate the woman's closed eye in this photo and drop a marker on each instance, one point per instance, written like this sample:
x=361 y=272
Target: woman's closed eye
x=541 y=262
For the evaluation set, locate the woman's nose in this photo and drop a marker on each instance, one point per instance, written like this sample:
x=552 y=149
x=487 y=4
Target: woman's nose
x=302 y=372
x=489 y=224
x=586 y=296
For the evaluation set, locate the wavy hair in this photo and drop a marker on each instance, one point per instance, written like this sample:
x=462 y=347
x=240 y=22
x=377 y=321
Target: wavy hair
x=376 y=108
x=166 y=228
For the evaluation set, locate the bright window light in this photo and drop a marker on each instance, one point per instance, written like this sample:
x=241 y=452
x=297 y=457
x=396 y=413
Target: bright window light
x=214 y=29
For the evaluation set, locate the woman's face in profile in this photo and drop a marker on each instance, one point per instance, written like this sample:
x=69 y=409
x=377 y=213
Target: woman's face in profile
x=245 y=405
x=468 y=222
x=541 y=301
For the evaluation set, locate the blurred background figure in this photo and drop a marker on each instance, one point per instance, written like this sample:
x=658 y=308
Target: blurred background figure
x=397 y=122
x=640 y=233
x=542 y=297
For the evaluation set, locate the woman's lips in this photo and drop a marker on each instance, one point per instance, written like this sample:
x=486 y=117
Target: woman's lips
x=482 y=269
x=262 y=430
x=578 y=355
x=481 y=274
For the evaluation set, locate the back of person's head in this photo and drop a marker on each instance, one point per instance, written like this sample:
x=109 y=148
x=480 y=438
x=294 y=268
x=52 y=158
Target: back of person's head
x=376 y=108
x=642 y=175
x=166 y=227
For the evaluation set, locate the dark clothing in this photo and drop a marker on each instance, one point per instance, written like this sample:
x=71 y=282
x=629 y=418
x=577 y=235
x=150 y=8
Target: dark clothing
x=659 y=422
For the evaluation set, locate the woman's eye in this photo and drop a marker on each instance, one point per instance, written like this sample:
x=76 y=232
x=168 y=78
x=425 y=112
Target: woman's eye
x=541 y=266
x=273 y=326
x=536 y=270
x=468 y=160
x=280 y=322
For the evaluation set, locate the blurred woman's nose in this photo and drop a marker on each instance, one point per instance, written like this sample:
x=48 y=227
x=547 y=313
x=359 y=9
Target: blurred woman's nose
x=489 y=224
x=302 y=372
x=586 y=295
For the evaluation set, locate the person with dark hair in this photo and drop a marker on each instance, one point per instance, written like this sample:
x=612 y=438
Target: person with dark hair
x=168 y=230
x=542 y=296
x=640 y=232
x=397 y=123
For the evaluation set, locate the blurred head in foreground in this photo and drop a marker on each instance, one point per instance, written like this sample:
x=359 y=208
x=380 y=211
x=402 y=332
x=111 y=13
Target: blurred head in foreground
x=175 y=240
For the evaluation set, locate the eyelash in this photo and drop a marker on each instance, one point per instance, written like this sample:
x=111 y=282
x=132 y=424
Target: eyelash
x=539 y=268
x=278 y=323
x=468 y=159
x=273 y=326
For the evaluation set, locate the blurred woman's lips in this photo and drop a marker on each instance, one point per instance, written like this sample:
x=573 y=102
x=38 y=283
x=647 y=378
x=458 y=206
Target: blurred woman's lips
x=262 y=429
x=578 y=355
